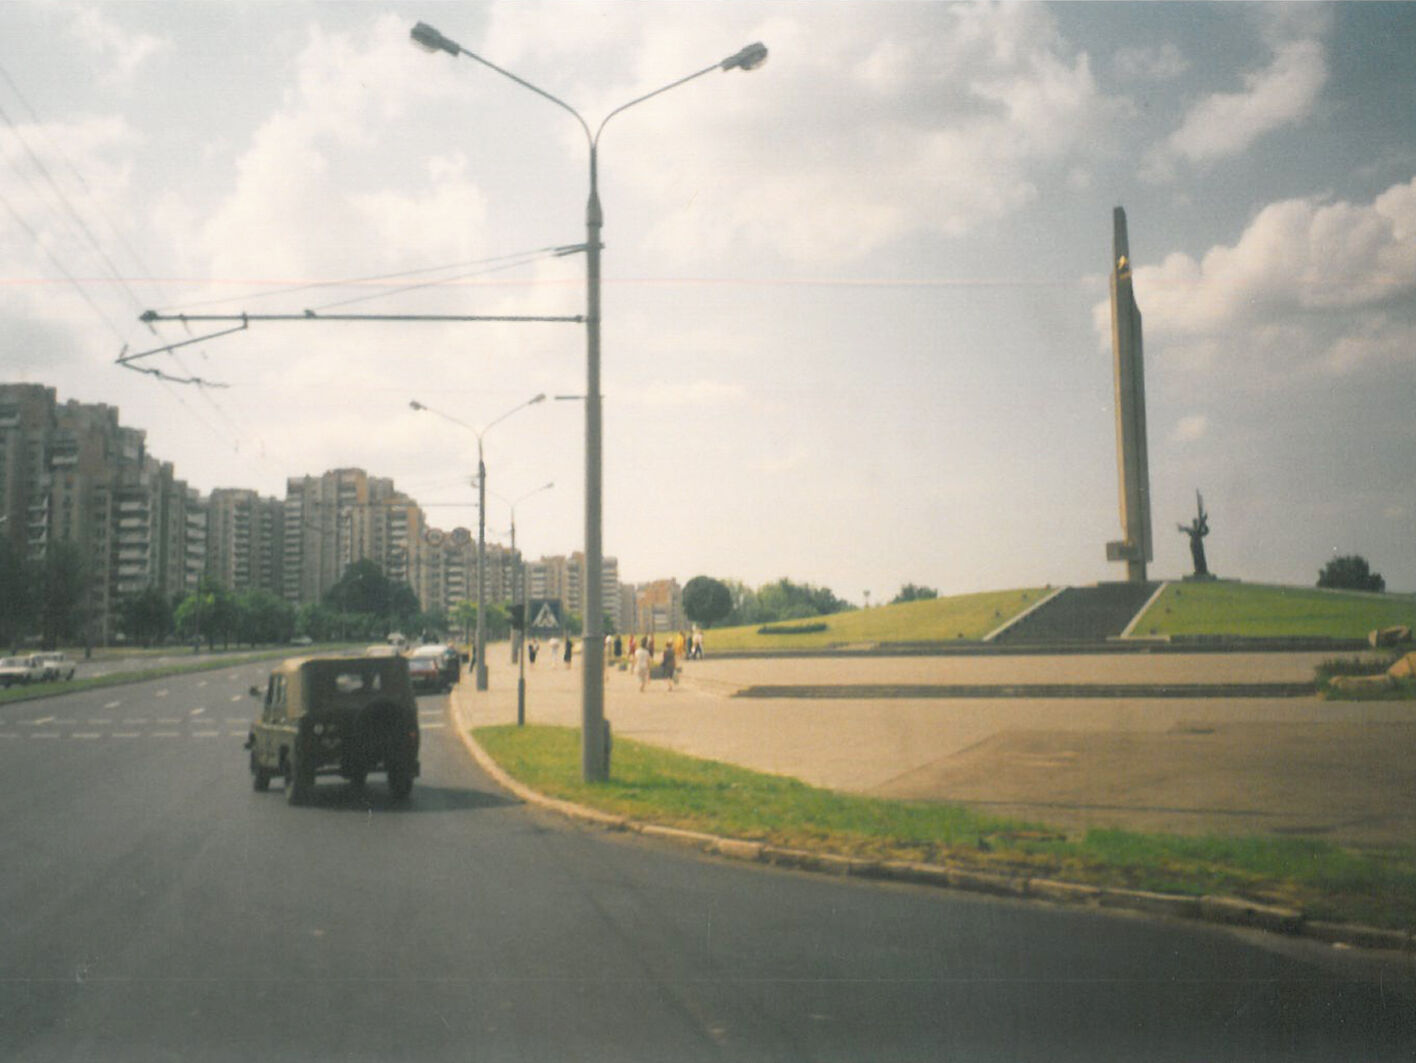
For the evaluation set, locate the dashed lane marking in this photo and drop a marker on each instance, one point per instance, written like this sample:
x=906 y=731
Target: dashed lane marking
x=169 y=719
x=138 y=719
x=100 y=719
x=45 y=734
x=127 y=734
x=433 y=726
x=206 y=734
x=167 y=734
x=113 y=705
x=161 y=694
x=41 y=721
x=87 y=734
x=197 y=711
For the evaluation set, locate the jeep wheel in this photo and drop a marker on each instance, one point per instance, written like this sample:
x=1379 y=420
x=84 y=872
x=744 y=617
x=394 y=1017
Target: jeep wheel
x=260 y=776
x=297 y=781
x=400 y=780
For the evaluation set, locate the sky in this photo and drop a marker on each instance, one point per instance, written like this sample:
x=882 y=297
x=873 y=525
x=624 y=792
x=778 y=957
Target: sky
x=855 y=318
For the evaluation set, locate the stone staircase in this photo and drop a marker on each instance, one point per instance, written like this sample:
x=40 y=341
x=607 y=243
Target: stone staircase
x=1080 y=614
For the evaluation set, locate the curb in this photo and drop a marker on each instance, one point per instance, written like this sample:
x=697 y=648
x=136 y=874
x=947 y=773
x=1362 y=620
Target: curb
x=1222 y=910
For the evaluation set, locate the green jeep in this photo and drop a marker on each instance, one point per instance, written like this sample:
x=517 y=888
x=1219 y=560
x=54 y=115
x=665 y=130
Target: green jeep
x=336 y=715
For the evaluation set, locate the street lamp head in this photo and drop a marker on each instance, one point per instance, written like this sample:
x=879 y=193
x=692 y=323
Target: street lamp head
x=426 y=37
x=539 y=398
x=750 y=58
x=415 y=404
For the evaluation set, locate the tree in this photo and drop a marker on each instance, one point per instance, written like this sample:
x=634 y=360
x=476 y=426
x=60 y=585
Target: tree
x=364 y=590
x=263 y=617
x=61 y=582
x=15 y=596
x=146 y=616
x=1350 y=573
x=785 y=600
x=706 y=600
x=914 y=593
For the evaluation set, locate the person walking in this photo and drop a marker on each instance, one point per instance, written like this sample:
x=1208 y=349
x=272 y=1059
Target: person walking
x=641 y=666
x=697 y=651
x=531 y=648
x=569 y=649
x=670 y=665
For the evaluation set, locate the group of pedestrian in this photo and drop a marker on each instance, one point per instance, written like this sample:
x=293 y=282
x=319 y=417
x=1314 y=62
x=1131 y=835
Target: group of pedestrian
x=564 y=652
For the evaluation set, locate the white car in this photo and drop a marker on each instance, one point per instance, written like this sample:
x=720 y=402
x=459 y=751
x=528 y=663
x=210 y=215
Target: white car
x=20 y=670
x=55 y=665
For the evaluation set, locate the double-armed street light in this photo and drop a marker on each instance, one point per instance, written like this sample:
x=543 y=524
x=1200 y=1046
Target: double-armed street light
x=519 y=641
x=594 y=749
x=481 y=646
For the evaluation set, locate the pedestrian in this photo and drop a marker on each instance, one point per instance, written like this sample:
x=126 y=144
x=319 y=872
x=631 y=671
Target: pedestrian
x=633 y=645
x=681 y=646
x=619 y=648
x=555 y=648
x=531 y=648
x=641 y=665
x=697 y=644
x=670 y=665
x=609 y=646
x=569 y=649
x=649 y=641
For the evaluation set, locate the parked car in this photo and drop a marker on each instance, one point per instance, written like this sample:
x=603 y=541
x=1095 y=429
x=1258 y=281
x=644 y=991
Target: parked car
x=343 y=715
x=55 y=665
x=20 y=670
x=425 y=674
x=449 y=661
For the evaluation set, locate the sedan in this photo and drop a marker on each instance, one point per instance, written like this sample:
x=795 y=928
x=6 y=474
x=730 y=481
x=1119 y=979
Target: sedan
x=20 y=670
x=426 y=675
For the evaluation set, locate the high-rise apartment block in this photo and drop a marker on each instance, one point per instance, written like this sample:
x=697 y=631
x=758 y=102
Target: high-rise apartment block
x=69 y=472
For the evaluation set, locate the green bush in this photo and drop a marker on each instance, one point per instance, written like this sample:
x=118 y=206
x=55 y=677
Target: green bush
x=791 y=629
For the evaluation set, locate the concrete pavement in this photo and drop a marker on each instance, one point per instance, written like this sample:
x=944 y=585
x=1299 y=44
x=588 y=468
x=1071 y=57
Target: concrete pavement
x=1295 y=765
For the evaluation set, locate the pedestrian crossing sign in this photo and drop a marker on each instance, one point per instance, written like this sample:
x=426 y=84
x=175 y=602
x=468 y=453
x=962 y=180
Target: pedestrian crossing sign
x=545 y=615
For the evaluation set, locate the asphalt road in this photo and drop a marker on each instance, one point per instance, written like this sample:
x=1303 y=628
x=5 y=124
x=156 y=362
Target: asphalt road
x=156 y=908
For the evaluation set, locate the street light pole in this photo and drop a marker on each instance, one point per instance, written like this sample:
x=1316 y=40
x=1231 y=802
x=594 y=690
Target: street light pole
x=481 y=644
x=520 y=644
x=594 y=746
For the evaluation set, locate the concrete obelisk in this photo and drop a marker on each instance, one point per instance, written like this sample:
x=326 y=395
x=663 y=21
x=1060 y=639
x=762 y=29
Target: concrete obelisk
x=1134 y=548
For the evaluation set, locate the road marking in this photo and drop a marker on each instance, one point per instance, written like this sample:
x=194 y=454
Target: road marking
x=126 y=734
x=9 y=734
x=99 y=719
x=434 y=726
x=238 y=697
x=201 y=684
x=169 y=719
x=138 y=719
x=197 y=711
x=161 y=694
x=45 y=734
x=113 y=705
x=86 y=734
x=41 y=721
x=167 y=734
x=206 y=734
x=238 y=734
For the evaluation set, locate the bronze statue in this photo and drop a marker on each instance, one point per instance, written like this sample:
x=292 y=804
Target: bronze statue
x=1197 y=530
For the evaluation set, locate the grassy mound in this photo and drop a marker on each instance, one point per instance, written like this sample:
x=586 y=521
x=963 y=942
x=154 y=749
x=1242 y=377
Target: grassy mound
x=966 y=616
x=1263 y=610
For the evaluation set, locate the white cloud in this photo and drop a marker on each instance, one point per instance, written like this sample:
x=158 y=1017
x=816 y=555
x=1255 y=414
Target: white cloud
x=865 y=127
x=1305 y=285
x=1190 y=428
x=123 y=52
x=1227 y=123
x=1151 y=63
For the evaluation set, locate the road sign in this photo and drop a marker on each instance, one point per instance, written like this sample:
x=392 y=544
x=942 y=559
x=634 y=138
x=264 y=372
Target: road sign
x=545 y=614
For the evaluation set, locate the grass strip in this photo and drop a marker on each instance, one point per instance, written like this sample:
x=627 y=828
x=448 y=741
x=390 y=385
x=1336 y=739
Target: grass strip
x=1377 y=888
x=34 y=691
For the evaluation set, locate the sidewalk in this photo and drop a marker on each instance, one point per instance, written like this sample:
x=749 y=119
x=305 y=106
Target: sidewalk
x=1339 y=771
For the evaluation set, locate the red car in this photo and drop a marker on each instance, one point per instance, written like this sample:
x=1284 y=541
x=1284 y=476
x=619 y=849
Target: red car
x=426 y=675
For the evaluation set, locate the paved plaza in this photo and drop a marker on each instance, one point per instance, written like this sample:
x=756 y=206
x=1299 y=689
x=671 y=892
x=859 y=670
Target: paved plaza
x=1343 y=771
